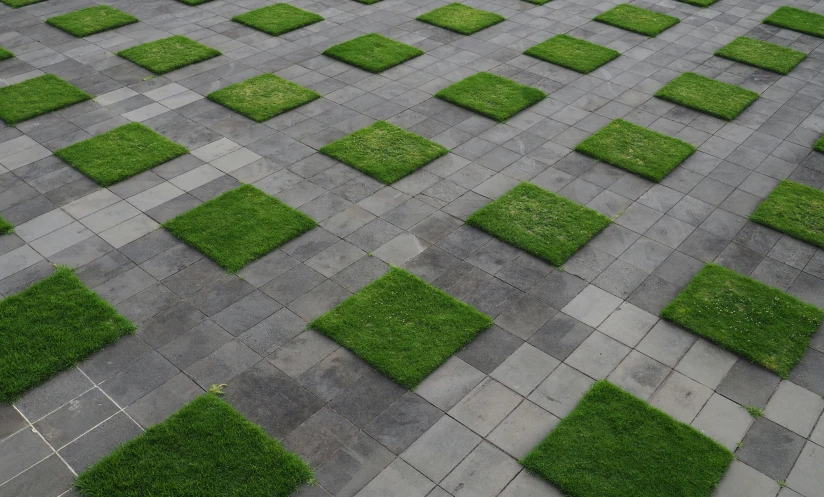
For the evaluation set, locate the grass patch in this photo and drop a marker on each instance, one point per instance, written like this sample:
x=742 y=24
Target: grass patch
x=755 y=412
x=194 y=2
x=461 y=18
x=263 y=97
x=538 y=2
x=758 y=322
x=539 y=222
x=5 y=54
x=794 y=209
x=368 y=2
x=6 y=227
x=707 y=95
x=761 y=54
x=373 y=52
x=699 y=3
x=16 y=4
x=206 y=448
x=49 y=327
x=797 y=20
x=402 y=326
x=615 y=445
x=168 y=54
x=37 y=96
x=491 y=95
x=278 y=19
x=647 y=153
x=573 y=53
x=121 y=153
x=819 y=145
x=239 y=226
x=384 y=151
x=87 y=22
x=637 y=20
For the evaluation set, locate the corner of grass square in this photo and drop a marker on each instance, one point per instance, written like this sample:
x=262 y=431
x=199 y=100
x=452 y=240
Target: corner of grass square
x=794 y=209
x=92 y=20
x=819 y=145
x=167 y=54
x=716 y=98
x=761 y=54
x=402 y=326
x=373 y=52
x=278 y=19
x=16 y=4
x=796 y=19
x=5 y=54
x=263 y=97
x=239 y=226
x=491 y=95
x=6 y=228
x=461 y=18
x=37 y=96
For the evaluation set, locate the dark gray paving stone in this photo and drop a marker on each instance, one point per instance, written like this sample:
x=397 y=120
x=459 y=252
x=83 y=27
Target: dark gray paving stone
x=10 y=420
x=489 y=349
x=654 y=294
x=366 y=398
x=333 y=374
x=809 y=373
x=147 y=303
x=558 y=289
x=349 y=469
x=164 y=401
x=246 y=312
x=48 y=478
x=20 y=451
x=403 y=422
x=195 y=344
x=99 y=442
x=220 y=294
x=290 y=285
x=770 y=448
x=748 y=384
x=148 y=246
x=170 y=324
x=140 y=378
x=194 y=277
x=75 y=418
x=320 y=436
x=55 y=392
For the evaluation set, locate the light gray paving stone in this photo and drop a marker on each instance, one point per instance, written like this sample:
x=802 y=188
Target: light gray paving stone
x=399 y=477
x=598 y=355
x=592 y=306
x=485 y=406
x=743 y=481
x=448 y=384
x=441 y=448
x=484 y=473
x=523 y=429
x=681 y=397
x=723 y=420
x=628 y=324
x=806 y=476
x=524 y=369
x=639 y=375
x=706 y=363
x=528 y=485
x=561 y=391
x=794 y=408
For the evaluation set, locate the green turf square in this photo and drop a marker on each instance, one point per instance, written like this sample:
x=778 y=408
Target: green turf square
x=121 y=153
x=239 y=226
x=278 y=19
x=573 y=53
x=819 y=145
x=461 y=19
x=384 y=151
x=707 y=95
x=758 y=322
x=402 y=326
x=647 y=153
x=762 y=54
x=37 y=96
x=637 y=20
x=616 y=445
x=207 y=449
x=263 y=97
x=168 y=54
x=49 y=327
x=491 y=95
x=797 y=20
x=5 y=227
x=93 y=20
x=16 y=4
x=373 y=52
x=5 y=54
x=794 y=209
x=542 y=223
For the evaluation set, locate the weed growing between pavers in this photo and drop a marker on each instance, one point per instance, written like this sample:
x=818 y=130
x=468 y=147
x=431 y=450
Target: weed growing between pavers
x=491 y=95
x=761 y=54
x=49 y=327
x=16 y=4
x=6 y=227
x=637 y=20
x=740 y=314
x=263 y=97
x=384 y=151
x=87 y=22
x=402 y=326
x=121 y=153
x=707 y=95
x=5 y=54
x=794 y=209
x=573 y=53
x=168 y=54
x=542 y=223
x=239 y=226
x=37 y=96
x=373 y=52
x=647 y=153
x=616 y=445
x=461 y=18
x=278 y=19
x=207 y=449
x=797 y=20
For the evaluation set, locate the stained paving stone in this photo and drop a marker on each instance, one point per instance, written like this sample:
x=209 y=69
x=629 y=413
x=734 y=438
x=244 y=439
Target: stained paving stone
x=485 y=406
x=484 y=473
x=770 y=448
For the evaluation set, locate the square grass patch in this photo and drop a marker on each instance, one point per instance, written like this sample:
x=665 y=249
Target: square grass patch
x=758 y=322
x=647 y=153
x=6 y=227
x=87 y=22
x=573 y=53
x=278 y=19
x=819 y=145
x=402 y=326
x=637 y=20
x=461 y=18
x=491 y=95
x=168 y=54
x=384 y=151
x=207 y=449
x=761 y=54
x=239 y=226
x=49 y=327
x=263 y=97
x=5 y=54
x=794 y=209
x=616 y=445
x=373 y=52
x=542 y=223
x=37 y=96
x=707 y=95
x=121 y=153
x=797 y=20
x=16 y=4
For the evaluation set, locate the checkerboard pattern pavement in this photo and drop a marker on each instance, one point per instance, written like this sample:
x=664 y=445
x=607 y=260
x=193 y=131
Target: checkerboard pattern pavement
x=462 y=430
